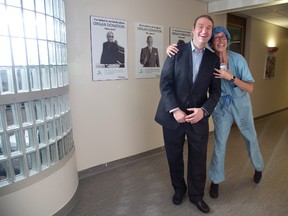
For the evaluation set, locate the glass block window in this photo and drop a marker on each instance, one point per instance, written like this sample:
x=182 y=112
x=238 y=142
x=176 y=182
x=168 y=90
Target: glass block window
x=35 y=125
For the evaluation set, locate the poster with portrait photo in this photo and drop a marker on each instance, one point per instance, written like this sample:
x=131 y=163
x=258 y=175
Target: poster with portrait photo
x=109 y=48
x=149 y=50
x=178 y=35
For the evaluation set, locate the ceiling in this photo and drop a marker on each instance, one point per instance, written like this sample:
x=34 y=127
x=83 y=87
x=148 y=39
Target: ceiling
x=276 y=14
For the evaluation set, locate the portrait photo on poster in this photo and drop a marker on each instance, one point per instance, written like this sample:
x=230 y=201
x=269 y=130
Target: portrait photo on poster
x=108 y=48
x=149 y=50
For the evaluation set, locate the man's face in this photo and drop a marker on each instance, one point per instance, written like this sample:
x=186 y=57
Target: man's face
x=150 y=41
x=202 y=31
x=110 y=37
x=219 y=42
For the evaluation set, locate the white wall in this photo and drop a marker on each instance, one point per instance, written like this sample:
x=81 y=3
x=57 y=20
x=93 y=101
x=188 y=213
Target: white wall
x=115 y=119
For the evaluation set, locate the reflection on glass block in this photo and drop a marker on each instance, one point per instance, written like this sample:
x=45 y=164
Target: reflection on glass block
x=48 y=109
x=63 y=54
x=18 y=166
x=29 y=137
x=38 y=111
x=28 y=4
x=49 y=7
x=14 y=15
x=14 y=141
x=1 y=145
x=55 y=106
x=43 y=51
x=60 y=149
x=32 y=52
x=5 y=54
x=34 y=78
x=41 y=26
x=56 y=8
x=53 y=153
x=40 y=6
x=65 y=76
x=45 y=77
x=63 y=123
x=60 y=76
x=19 y=51
x=54 y=81
x=57 y=30
x=43 y=158
x=1 y=126
x=6 y=80
x=50 y=31
x=51 y=131
x=58 y=127
x=14 y=2
x=26 y=113
x=29 y=22
x=3 y=171
x=40 y=134
x=3 y=22
x=11 y=115
x=21 y=79
x=31 y=160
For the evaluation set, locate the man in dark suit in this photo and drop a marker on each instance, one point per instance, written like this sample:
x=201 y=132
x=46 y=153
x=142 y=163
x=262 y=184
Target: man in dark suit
x=184 y=109
x=149 y=56
x=112 y=53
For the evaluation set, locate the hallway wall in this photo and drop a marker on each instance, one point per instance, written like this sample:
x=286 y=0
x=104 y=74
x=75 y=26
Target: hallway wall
x=115 y=119
x=269 y=95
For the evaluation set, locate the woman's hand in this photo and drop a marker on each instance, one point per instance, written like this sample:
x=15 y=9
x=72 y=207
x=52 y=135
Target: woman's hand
x=223 y=74
x=172 y=50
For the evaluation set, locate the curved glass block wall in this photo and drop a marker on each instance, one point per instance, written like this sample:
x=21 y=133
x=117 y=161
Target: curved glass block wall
x=35 y=126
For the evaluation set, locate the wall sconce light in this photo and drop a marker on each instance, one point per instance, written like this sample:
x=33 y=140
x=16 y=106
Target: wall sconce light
x=272 y=49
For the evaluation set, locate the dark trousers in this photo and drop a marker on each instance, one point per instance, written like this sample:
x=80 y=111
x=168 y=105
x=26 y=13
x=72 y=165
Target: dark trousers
x=197 y=156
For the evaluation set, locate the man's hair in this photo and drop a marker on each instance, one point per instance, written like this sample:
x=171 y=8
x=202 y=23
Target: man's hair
x=203 y=16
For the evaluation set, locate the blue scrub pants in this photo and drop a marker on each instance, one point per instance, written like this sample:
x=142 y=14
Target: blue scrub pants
x=227 y=111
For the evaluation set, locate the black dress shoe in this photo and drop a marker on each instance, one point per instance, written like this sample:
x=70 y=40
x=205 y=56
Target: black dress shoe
x=178 y=198
x=257 y=176
x=202 y=206
x=214 y=190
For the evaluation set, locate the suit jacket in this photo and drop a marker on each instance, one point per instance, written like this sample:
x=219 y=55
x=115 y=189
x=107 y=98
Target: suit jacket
x=178 y=90
x=109 y=53
x=148 y=59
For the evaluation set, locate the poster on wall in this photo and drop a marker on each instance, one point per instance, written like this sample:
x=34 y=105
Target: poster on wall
x=149 y=50
x=109 y=48
x=178 y=36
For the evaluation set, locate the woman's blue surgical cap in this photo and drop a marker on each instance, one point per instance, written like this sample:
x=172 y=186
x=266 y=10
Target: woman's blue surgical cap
x=218 y=29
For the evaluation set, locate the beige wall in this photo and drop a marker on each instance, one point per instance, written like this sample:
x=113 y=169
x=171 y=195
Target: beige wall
x=115 y=119
x=269 y=95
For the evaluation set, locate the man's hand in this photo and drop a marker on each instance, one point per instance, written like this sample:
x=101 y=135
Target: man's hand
x=196 y=115
x=179 y=116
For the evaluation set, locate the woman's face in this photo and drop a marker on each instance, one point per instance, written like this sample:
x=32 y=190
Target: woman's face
x=219 y=42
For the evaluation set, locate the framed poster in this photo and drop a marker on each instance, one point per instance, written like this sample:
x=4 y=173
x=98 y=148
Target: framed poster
x=178 y=36
x=149 y=50
x=270 y=64
x=109 y=48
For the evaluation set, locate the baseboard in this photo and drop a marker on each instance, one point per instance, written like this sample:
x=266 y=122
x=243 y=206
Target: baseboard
x=117 y=163
x=270 y=114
